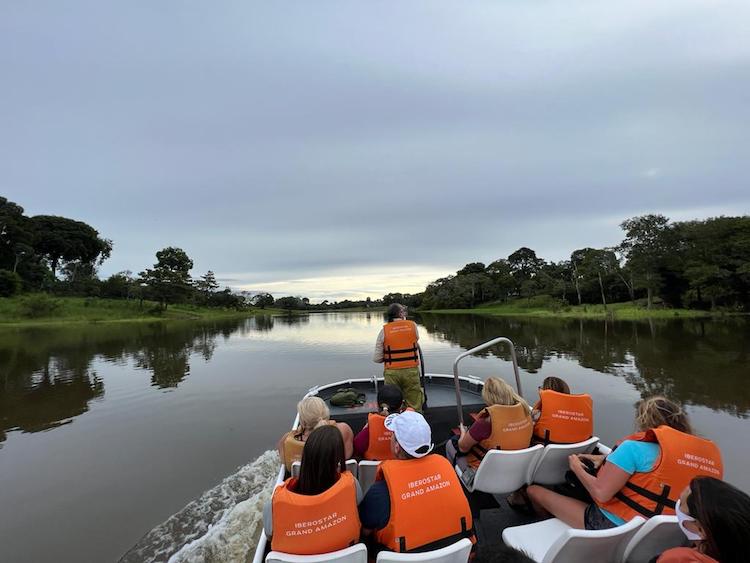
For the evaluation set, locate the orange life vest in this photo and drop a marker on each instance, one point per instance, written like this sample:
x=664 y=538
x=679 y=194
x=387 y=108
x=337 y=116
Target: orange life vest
x=565 y=419
x=511 y=430
x=379 y=443
x=682 y=457
x=293 y=447
x=400 y=345
x=428 y=507
x=312 y=524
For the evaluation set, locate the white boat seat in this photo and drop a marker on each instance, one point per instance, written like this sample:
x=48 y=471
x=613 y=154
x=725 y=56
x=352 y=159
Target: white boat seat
x=553 y=463
x=354 y=554
x=553 y=540
x=658 y=534
x=455 y=553
x=367 y=471
x=351 y=467
x=504 y=471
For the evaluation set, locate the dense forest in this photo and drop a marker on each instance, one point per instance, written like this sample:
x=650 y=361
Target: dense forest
x=60 y=256
x=691 y=264
x=701 y=264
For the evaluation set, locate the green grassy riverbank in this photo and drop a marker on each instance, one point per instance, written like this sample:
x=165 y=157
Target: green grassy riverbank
x=39 y=309
x=620 y=311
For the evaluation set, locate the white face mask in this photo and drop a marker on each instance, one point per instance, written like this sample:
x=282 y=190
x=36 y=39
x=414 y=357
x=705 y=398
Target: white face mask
x=681 y=519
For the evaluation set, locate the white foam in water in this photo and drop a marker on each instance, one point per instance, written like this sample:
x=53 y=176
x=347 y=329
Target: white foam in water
x=222 y=525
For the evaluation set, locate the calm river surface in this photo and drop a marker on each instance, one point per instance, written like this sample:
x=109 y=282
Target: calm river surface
x=106 y=431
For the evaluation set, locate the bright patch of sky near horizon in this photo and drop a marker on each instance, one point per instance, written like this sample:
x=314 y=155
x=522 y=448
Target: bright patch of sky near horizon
x=348 y=149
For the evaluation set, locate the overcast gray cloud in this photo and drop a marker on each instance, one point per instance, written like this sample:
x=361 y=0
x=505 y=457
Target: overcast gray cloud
x=337 y=149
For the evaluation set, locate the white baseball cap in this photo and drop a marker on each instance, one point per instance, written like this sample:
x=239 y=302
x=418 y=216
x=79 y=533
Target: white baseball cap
x=412 y=432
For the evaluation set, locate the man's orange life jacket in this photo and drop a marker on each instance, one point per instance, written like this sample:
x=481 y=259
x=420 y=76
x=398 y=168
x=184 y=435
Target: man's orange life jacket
x=400 y=345
x=565 y=419
x=312 y=524
x=428 y=507
x=511 y=430
x=682 y=457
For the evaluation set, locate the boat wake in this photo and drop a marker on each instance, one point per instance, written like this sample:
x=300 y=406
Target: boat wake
x=222 y=525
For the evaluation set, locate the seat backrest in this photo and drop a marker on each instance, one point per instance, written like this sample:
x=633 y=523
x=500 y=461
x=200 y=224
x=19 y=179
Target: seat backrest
x=351 y=467
x=455 y=553
x=504 y=471
x=367 y=471
x=592 y=545
x=354 y=554
x=656 y=535
x=553 y=463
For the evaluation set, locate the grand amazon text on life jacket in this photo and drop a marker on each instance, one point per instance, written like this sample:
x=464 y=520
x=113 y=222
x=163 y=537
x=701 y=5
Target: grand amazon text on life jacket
x=313 y=524
x=511 y=430
x=428 y=507
x=564 y=419
x=400 y=345
x=682 y=457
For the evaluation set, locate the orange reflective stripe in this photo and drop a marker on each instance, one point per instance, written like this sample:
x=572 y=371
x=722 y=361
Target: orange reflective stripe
x=428 y=504
x=312 y=524
x=379 y=446
x=400 y=345
x=511 y=430
x=682 y=457
x=564 y=418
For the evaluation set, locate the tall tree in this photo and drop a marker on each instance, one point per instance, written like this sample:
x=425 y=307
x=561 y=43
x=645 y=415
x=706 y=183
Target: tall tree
x=169 y=280
x=15 y=235
x=646 y=246
x=62 y=239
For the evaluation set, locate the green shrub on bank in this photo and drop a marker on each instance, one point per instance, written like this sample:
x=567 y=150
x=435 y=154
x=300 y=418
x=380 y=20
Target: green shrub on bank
x=37 y=306
x=10 y=283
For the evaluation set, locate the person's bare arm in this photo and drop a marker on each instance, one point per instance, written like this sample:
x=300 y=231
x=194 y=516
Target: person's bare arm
x=465 y=442
x=597 y=459
x=377 y=355
x=348 y=435
x=605 y=484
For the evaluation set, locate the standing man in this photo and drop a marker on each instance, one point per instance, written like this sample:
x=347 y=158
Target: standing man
x=398 y=350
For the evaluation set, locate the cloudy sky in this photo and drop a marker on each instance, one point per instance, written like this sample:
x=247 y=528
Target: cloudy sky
x=345 y=149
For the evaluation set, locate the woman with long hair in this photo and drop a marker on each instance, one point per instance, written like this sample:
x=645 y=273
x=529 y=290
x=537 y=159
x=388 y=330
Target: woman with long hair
x=716 y=517
x=316 y=512
x=313 y=413
x=505 y=423
x=643 y=476
x=374 y=440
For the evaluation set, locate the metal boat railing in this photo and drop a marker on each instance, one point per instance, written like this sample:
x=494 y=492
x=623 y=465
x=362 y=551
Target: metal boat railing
x=490 y=344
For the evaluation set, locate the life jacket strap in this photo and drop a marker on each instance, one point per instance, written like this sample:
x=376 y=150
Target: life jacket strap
x=661 y=500
x=438 y=544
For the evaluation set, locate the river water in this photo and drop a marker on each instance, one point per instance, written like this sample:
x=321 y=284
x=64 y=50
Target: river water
x=147 y=441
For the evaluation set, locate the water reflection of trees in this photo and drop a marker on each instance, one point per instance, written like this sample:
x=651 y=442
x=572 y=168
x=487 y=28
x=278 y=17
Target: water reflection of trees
x=699 y=361
x=46 y=378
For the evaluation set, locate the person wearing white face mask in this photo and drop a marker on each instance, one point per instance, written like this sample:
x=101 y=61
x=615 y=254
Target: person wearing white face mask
x=716 y=517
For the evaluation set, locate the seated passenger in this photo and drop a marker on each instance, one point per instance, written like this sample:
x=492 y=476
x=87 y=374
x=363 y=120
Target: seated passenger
x=313 y=412
x=317 y=512
x=416 y=502
x=643 y=476
x=374 y=440
x=562 y=418
x=505 y=424
x=716 y=516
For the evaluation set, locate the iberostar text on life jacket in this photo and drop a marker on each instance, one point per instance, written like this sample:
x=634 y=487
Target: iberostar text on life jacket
x=312 y=524
x=400 y=345
x=683 y=457
x=511 y=430
x=565 y=419
x=428 y=507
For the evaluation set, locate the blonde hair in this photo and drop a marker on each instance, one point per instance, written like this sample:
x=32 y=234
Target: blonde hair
x=497 y=392
x=653 y=412
x=313 y=412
